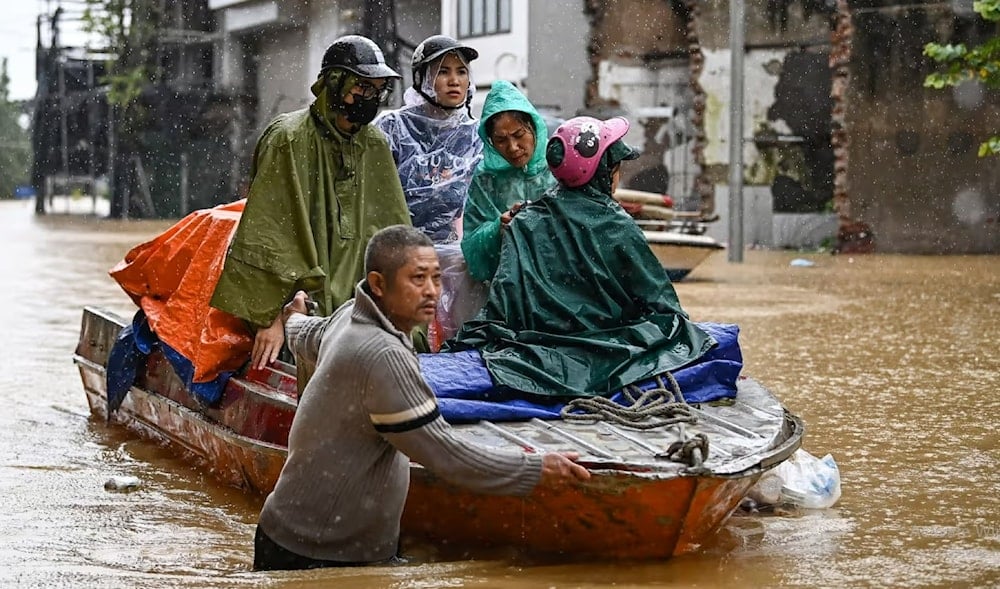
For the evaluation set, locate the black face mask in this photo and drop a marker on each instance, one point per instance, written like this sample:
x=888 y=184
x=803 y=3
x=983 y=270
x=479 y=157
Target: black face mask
x=362 y=111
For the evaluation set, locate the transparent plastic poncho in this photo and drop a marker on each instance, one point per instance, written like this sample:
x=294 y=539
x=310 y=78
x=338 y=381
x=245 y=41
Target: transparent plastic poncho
x=436 y=151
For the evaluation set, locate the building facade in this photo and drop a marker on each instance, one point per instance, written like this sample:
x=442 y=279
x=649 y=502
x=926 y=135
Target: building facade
x=838 y=129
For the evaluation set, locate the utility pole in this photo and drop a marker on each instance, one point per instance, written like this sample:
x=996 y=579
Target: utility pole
x=736 y=47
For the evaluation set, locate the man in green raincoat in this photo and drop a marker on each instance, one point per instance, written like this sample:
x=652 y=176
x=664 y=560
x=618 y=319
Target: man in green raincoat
x=323 y=181
x=579 y=305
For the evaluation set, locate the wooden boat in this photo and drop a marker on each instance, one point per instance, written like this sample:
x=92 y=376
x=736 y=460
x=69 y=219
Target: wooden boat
x=680 y=252
x=677 y=238
x=639 y=504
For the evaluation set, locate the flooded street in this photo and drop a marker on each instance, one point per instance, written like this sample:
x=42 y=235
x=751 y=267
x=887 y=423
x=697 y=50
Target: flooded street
x=892 y=361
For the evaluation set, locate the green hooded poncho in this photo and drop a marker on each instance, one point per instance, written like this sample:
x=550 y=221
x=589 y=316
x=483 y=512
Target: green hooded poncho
x=579 y=304
x=316 y=197
x=496 y=185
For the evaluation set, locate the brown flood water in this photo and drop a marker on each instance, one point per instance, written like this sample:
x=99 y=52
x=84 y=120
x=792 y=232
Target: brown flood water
x=892 y=361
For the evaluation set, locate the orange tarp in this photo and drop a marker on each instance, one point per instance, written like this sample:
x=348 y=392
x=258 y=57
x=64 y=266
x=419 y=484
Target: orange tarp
x=172 y=278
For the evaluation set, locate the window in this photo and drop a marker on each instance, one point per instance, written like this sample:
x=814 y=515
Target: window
x=483 y=17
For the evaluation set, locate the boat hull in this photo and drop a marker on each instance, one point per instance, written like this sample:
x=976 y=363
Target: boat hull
x=619 y=514
x=680 y=253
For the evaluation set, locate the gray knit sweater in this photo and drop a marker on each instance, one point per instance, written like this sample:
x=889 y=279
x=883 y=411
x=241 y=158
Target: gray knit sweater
x=341 y=492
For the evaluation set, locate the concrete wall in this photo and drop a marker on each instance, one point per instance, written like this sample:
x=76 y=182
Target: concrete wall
x=283 y=73
x=771 y=35
x=761 y=71
x=264 y=51
x=415 y=21
x=914 y=174
x=764 y=228
x=558 y=65
x=786 y=109
x=640 y=68
x=768 y=23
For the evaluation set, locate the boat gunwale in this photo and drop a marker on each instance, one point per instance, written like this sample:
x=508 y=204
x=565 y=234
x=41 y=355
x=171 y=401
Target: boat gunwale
x=788 y=437
x=187 y=412
x=768 y=458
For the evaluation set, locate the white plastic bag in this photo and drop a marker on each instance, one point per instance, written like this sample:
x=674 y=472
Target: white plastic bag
x=803 y=481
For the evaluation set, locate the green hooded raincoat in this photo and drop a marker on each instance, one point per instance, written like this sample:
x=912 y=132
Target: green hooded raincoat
x=579 y=304
x=497 y=185
x=316 y=197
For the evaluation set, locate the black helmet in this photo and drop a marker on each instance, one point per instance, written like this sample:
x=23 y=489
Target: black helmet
x=434 y=47
x=359 y=55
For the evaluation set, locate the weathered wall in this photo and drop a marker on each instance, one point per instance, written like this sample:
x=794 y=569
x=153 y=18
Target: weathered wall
x=786 y=45
x=558 y=67
x=781 y=23
x=641 y=29
x=669 y=53
x=640 y=68
x=914 y=174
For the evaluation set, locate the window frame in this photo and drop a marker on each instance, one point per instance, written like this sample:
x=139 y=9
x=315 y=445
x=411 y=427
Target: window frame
x=468 y=11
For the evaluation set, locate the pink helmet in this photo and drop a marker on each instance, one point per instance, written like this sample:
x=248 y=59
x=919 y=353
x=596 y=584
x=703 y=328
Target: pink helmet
x=584 y=140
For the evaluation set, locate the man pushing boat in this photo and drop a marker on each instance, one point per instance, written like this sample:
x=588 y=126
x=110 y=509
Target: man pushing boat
x=365 y=413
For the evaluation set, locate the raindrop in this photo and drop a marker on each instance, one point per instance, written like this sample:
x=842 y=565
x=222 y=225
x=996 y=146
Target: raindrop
x=968 y=206
x=968 y=95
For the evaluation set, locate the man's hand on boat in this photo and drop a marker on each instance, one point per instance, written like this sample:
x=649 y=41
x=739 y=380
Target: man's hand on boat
x=559 y=468
x=300 y=303
x=268 y=341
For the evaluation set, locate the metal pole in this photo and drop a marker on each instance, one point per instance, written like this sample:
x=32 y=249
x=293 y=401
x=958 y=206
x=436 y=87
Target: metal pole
x=63 y=123
x=736 y=45
x=91 y=133
x=184 y=184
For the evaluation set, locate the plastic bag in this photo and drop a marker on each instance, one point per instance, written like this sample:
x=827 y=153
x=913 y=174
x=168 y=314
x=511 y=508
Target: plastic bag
x=802 y=481
x=461 y=295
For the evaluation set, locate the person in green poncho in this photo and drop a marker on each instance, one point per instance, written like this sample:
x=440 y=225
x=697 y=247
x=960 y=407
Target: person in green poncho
x=323 y=181
x=513 y=171
x=579 y=305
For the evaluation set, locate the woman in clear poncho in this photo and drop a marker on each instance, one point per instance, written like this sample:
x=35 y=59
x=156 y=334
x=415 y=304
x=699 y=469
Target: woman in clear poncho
x=433 y=137
x=436 y=148
x=513 y=171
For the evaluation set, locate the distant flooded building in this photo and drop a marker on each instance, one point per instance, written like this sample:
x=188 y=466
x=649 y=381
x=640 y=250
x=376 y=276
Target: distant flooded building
x=837 y=121
x=840 y=137
x=168 y=151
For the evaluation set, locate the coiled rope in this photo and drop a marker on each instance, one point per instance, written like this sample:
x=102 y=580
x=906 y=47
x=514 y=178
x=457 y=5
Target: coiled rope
x=656 y=407
x=650 y=409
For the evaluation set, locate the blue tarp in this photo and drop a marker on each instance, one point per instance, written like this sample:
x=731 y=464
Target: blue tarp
x=128 y=356
x=466 y=393
x=460 y=380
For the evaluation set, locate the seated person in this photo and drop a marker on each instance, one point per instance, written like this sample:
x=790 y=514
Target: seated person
x=579 y=305
x=512 y=172
x=436 y=149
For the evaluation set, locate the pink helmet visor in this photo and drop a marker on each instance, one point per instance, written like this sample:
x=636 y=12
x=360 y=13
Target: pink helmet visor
x=585 y=139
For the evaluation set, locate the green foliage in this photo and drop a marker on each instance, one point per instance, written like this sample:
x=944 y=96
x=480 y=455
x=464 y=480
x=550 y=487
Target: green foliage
x=990 y=147
x=127 y=27
x=963 y=64
x=990 y=9
x=15 y=144
x=126 y=86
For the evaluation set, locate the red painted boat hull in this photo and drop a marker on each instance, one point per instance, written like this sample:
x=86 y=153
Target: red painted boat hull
x=619 y=514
